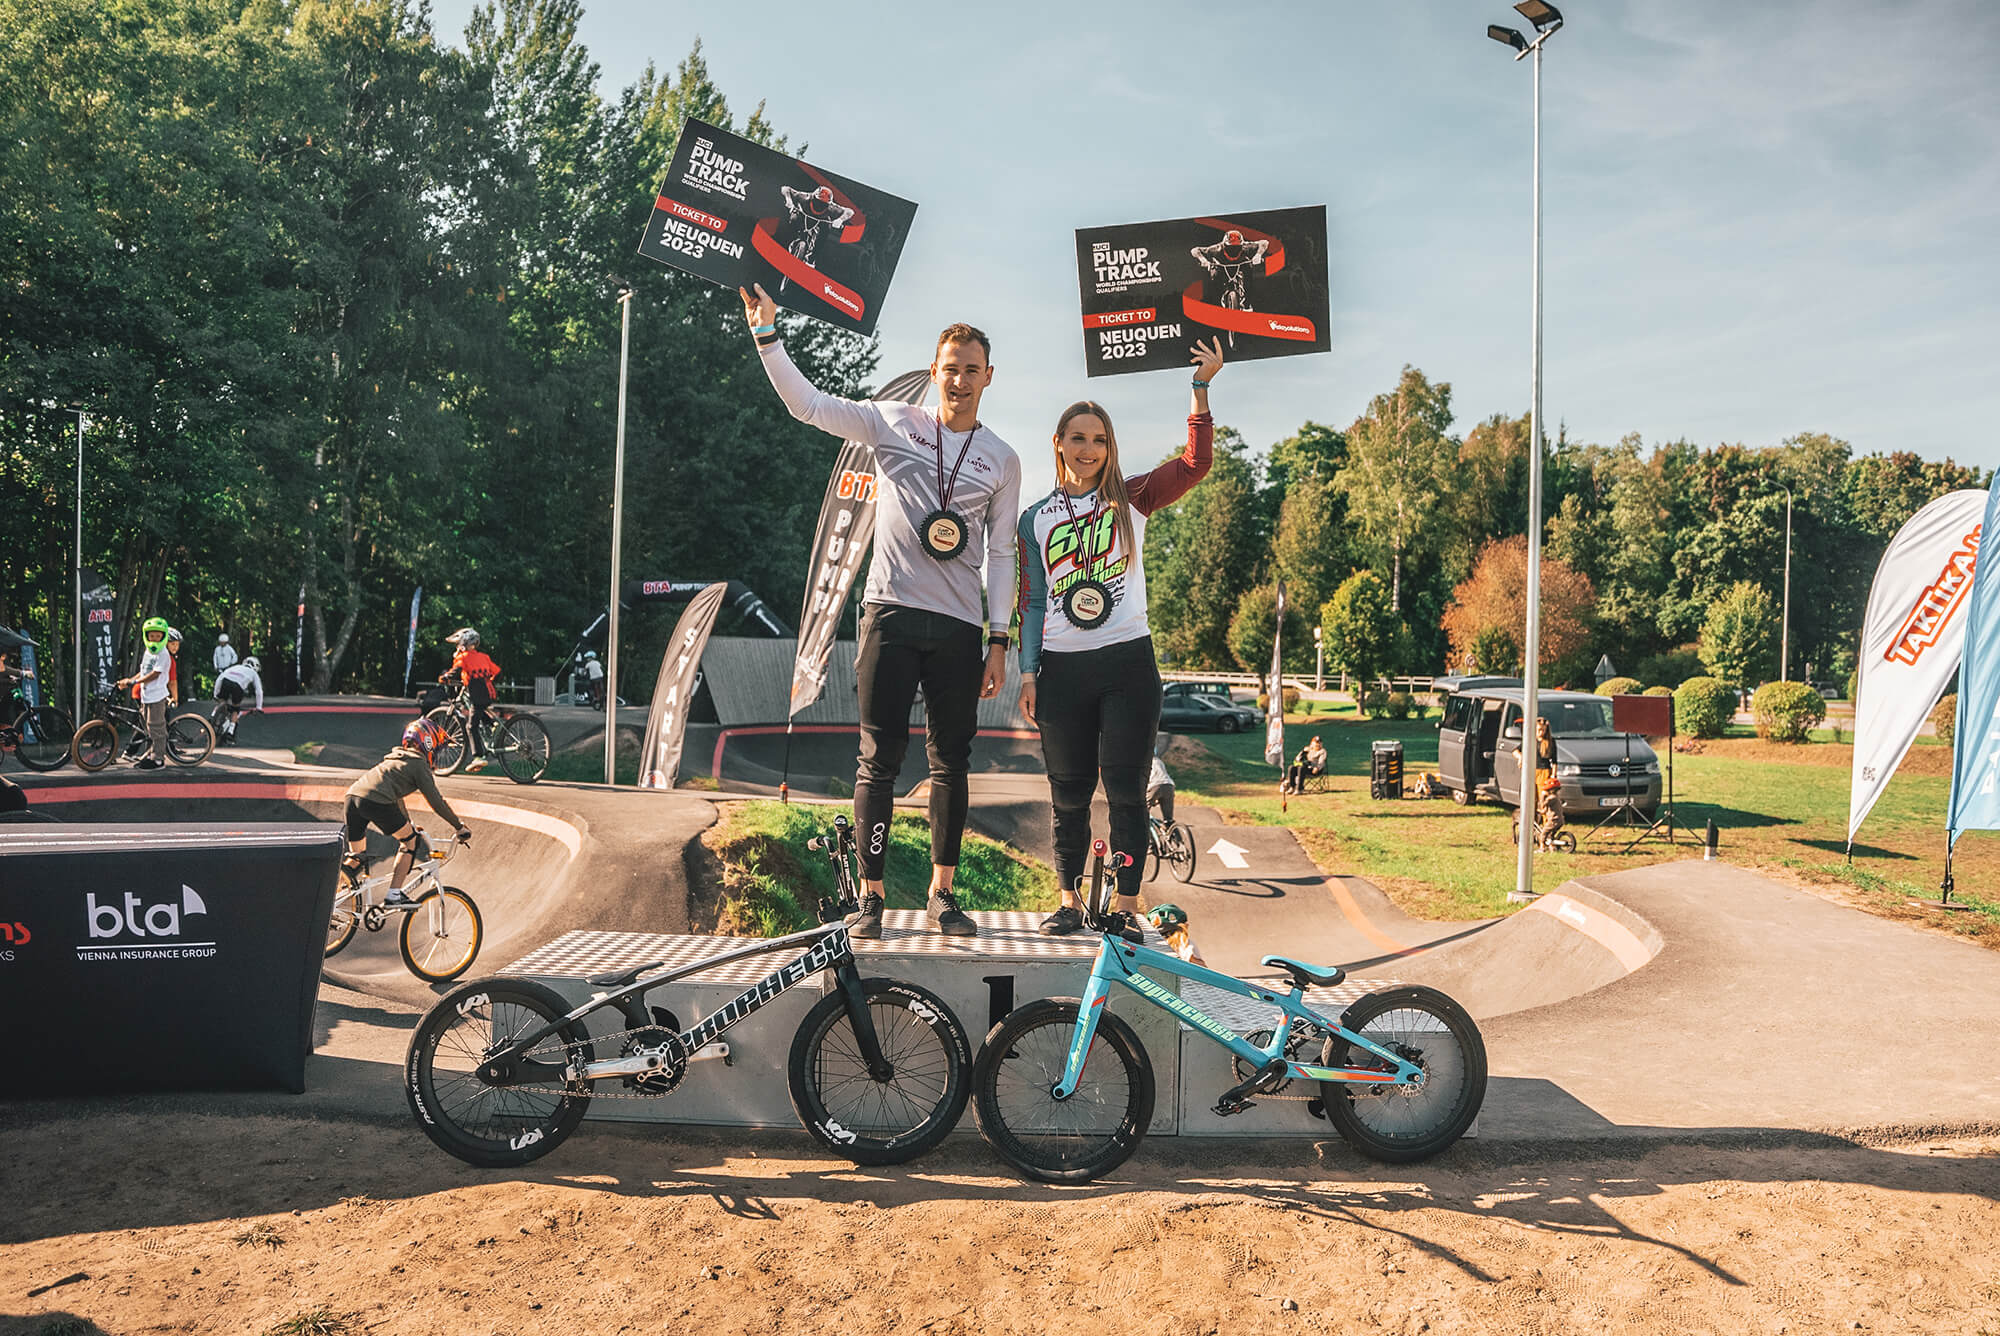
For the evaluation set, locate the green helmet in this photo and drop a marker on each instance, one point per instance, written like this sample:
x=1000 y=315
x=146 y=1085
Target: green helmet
x=154 y=624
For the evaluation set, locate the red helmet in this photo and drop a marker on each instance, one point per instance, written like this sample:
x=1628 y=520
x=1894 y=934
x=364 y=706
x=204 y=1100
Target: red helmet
x=424 y=737
x=823 y=194
x=1233 y=237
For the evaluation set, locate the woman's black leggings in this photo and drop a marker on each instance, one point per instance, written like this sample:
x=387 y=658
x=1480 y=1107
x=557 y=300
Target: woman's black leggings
x=1098 y=711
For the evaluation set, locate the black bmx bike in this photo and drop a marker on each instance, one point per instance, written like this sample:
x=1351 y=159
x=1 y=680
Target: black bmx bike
x=517 y=741
x=38 y=735
x=501 y=1070
x=115 y=719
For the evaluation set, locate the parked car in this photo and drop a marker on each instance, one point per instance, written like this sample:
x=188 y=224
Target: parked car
x=1220 y=690
x=1479 y=750
x=1189 y=712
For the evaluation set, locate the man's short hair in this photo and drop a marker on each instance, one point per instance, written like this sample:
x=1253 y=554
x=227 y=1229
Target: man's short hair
x=963 y=333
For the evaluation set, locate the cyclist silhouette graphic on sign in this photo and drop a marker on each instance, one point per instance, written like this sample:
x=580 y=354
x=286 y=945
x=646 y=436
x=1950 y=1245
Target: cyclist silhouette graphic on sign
x=811 y=211
x=1229 y=260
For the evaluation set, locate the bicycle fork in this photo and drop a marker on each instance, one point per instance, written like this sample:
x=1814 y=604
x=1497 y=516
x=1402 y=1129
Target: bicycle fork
x=848 y=980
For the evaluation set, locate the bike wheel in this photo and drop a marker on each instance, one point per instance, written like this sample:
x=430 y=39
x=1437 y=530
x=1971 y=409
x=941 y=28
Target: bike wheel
x=455 y=748
x=440 y=937
x=346 y=918
x=1155 y=856
x=95 y=745
x=881 y=1122
x=45 y=738
x=1181 y=851
x=522 y=745
x=1563 y=842
x=1069 y=1141
x=1399 y=1124
x=496 y=1126
x=190 y=739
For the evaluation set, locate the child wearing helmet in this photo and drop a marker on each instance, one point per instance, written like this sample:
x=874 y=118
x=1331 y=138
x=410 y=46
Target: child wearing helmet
x=472 y=666
x=377 y=799
x=231 y=686
x=150 y=684
x=224 y=657
x=593 y=679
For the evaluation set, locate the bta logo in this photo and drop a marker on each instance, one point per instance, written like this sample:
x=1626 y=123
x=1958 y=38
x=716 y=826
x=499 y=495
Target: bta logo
x=137 y=920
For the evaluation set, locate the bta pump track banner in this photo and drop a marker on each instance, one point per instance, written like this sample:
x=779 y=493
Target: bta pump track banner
x=738 y=214
x=1150 y=290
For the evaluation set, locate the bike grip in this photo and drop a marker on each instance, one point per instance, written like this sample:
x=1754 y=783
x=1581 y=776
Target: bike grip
x=1120 y=860
x=1098 y=848
x=817 y=844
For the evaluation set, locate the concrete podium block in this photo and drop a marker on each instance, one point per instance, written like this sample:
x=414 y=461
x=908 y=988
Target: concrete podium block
x=981 y=978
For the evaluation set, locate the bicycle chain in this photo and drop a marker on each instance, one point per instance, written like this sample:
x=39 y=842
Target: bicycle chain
x=594 y=1085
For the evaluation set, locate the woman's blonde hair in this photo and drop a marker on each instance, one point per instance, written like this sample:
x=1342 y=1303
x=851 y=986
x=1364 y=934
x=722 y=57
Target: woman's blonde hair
x=1111 y=482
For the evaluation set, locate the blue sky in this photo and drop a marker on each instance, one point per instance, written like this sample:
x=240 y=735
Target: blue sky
x=1760 y=219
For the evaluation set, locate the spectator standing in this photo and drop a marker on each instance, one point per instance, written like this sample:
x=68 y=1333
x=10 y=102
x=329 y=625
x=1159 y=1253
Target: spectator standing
x=225 y=655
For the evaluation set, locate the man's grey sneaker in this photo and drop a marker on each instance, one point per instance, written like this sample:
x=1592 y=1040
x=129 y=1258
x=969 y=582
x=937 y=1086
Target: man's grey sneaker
x=866 y=922
x=1063 y=922
x=948 y=917
x=396 y=900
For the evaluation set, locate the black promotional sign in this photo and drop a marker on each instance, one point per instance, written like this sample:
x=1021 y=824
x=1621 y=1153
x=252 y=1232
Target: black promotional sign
x=666 y=726
x=737 y=213
x=177 y=957
x=846 y=526
x=1150 y=290
x=99 y=654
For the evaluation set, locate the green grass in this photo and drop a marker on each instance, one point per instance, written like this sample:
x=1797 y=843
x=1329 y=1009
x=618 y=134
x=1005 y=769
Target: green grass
x=586 y=765
x=771 y=883
x=1783 y=809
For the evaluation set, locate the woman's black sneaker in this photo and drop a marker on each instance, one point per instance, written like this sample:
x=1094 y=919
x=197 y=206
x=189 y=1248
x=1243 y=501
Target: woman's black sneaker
x=1063 y=922
x=948 y=918
x=867 y=920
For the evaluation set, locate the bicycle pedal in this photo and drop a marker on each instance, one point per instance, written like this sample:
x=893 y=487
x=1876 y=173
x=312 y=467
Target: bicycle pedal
x=1225 y=1107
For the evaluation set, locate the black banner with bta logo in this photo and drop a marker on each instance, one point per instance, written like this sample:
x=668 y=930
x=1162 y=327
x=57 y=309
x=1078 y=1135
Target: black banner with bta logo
x=737 y=213
x=1150 y=290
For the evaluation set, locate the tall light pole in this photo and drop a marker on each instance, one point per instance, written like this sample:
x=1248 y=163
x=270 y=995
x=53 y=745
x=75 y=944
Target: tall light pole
x=76 y=627
x=617 y=533
x=1546 y=20
x=1785 y=622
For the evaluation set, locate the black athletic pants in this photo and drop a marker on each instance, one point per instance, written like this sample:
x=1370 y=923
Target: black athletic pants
x=1098 y=711
x=903 y=650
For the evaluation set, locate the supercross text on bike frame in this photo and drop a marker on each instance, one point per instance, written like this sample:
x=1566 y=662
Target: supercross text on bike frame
x=1119 y=962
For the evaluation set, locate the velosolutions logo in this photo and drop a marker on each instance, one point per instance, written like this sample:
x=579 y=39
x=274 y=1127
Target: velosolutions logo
x=133 y=929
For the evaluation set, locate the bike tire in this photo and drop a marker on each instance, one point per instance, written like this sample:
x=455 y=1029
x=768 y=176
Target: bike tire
x=345 y=919
x=95 y=745
x=1402 y=1124
x=1563 y=842
x=440 y=957
x=1016 y=1071
x=1181 y=851
x=190 y=739
x=452 y=754
x=522 y=745
x=494 y=1127
x=45 y=738
x=871 y=1122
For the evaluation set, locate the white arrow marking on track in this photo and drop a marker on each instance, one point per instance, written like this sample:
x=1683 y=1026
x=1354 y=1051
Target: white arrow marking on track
x=1230 y=854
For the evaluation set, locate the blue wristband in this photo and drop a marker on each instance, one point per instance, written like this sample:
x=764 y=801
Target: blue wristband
x=761 y=330
x=1200 y=384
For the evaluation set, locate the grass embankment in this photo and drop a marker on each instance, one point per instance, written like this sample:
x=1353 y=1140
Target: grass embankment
x=1780 y=809
x=770 y=883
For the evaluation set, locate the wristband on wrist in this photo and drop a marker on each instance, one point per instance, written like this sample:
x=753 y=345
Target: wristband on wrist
x=1003 y=641
x=763 y=329
x=766 y=340
x=1199 y=384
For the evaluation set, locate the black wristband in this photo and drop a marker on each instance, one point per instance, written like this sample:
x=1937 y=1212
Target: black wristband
x=1002 y=641
x=766 y=340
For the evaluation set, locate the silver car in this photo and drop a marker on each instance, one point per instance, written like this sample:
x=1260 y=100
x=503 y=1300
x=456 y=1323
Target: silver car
x=1479 y=750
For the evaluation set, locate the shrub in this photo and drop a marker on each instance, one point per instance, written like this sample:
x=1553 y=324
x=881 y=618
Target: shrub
x=1657 y=691
x=1372 y=702
x=1702 y=706
x=1944 y=717
x=1853 y=683
x=1291 y=698
x=1618 y=686
x=1787 y=711
x=1399 y=704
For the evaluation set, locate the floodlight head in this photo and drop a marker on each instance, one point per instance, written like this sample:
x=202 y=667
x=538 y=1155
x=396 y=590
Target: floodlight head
x=1540 y=13
x=1506 y=37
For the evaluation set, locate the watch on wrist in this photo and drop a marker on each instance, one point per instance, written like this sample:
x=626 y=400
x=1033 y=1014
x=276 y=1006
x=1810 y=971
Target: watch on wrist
x=1001 y=640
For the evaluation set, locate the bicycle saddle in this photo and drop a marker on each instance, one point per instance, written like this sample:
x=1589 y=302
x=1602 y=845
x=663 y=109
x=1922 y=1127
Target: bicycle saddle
x=620 y=979
x=1304 y=974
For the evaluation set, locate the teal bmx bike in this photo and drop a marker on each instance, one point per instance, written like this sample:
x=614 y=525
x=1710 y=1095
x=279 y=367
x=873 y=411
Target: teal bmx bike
x=1063 y=1090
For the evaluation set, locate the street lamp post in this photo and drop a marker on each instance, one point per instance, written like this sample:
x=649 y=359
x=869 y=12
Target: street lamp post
x=1546 y=20
x=617 y=533
x=76 y=627
x=1785 y=619
x=1319 y=662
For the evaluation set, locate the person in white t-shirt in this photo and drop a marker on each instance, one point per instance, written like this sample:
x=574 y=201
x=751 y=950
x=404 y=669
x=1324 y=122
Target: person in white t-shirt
x=592 y=673
x=151 y=679
x=230 y=689
x=225 y=654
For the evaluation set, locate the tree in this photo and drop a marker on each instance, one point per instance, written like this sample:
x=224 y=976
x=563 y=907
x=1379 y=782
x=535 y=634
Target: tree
x=1739 y=635
x=1251 y=625
x=1494 y=599
x=1314 y=453
x=1360 y=633
x=1398 y=470
x=1201 y=555
x=1310 y=548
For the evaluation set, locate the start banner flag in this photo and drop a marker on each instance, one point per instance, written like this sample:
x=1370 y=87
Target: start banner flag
x=1975 y=769
x=736 y=213
x=1911 y=638
x=1255 y=280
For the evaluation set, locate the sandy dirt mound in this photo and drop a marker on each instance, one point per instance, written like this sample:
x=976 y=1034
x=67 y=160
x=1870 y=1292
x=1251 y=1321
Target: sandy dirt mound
x=130 y=1224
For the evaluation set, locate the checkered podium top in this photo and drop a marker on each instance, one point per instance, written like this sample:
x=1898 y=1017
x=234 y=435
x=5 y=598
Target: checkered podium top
x=1004 y=935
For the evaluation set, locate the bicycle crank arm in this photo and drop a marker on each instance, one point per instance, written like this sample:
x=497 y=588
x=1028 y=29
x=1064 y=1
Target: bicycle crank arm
x=712 y=1052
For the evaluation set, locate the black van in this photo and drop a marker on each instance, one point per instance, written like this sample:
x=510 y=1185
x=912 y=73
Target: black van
x=1479 y=748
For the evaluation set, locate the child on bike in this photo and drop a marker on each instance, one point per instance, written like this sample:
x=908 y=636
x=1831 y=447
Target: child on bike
x=472 y=666
x=377 y=799
x=1160 y=790
x=230 y=687
x=150 y=685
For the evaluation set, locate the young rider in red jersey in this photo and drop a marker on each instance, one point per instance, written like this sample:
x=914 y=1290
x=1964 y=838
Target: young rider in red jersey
x=1089 y=681
x=472 y=665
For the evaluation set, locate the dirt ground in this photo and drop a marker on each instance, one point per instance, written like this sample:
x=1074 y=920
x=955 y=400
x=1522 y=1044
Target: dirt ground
x=123 y=1222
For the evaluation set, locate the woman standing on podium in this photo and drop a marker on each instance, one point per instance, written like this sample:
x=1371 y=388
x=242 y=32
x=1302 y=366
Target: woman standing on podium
x=1089 y=682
